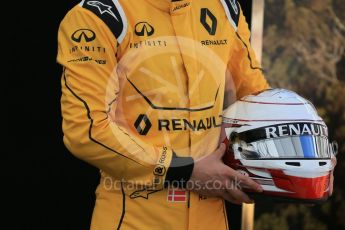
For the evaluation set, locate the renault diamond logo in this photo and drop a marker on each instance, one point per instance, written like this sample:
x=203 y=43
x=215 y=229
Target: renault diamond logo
x=142 y=124
x=207 y=17
x=144 y=29
x=83 y=34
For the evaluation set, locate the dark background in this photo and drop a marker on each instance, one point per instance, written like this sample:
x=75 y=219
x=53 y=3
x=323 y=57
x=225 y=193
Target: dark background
x=45 y=186
x=49 y=188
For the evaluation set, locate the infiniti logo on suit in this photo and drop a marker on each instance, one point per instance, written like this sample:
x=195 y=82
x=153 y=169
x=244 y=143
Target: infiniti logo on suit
x=144 y=29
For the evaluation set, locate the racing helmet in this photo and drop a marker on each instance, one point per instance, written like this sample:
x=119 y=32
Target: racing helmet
x=277 y=139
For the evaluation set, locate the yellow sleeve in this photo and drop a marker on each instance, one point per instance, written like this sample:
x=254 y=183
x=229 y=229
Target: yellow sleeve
x=89 y=89
x=245 y=70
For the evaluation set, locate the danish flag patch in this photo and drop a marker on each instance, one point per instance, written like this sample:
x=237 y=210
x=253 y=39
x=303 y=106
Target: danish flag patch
x=177 y=195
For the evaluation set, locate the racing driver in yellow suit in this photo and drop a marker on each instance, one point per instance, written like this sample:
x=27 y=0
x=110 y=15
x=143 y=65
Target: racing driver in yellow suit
x=143 y=89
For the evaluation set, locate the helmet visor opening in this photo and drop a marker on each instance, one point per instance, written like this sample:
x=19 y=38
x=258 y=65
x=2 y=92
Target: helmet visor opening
x=298 y=147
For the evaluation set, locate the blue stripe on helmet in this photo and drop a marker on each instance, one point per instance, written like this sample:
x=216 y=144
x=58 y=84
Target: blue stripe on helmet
x=307 y=146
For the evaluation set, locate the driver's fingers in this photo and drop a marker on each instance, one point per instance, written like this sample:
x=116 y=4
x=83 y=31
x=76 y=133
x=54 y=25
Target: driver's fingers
x=227 y=196
x=239 y=196
x=244 y=181
x=334 y=161
x=331 y=184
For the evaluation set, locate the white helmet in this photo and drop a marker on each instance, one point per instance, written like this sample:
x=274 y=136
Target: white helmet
x=277 y=138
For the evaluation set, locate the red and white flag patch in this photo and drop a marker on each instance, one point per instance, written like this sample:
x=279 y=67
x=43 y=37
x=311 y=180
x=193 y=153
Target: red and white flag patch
x=177 y=195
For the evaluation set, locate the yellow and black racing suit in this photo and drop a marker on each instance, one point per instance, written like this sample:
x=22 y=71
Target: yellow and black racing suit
x=143 y=88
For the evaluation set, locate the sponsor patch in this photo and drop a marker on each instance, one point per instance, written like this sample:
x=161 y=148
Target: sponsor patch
x=177 y=195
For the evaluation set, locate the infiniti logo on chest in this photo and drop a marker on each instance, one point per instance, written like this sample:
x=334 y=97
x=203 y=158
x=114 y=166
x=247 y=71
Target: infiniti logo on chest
x=144 y=29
